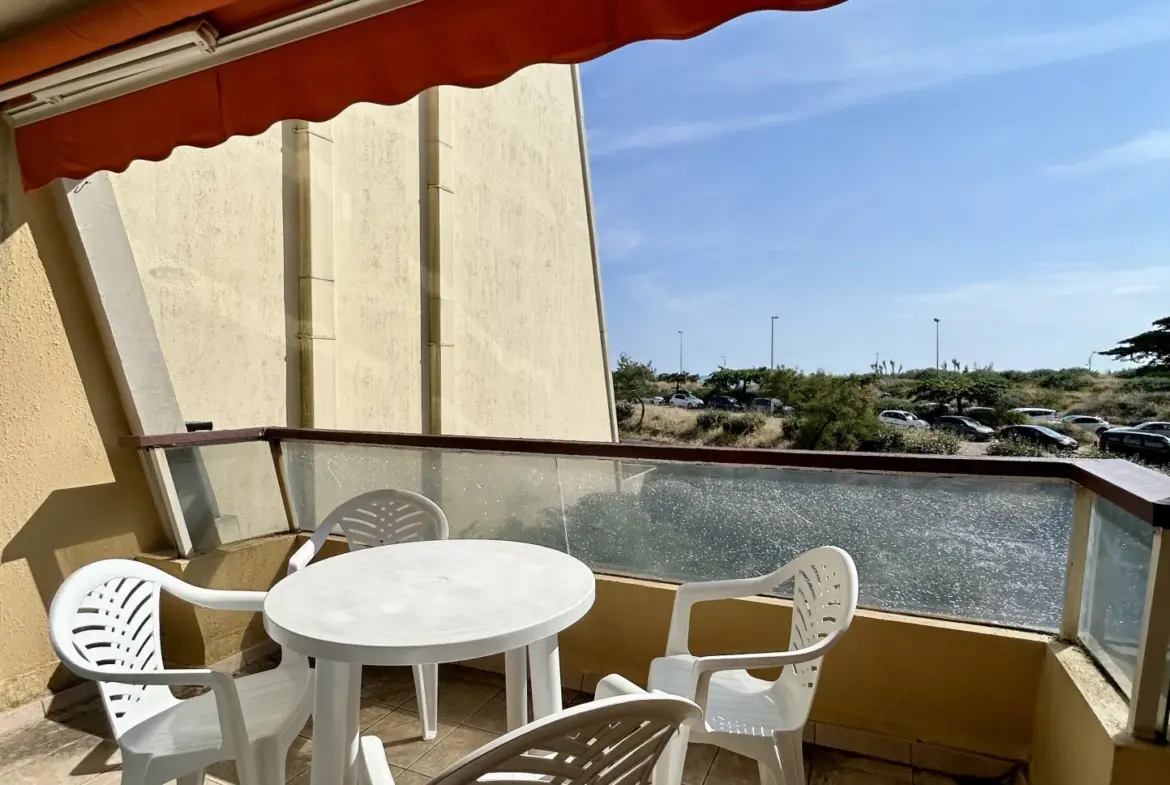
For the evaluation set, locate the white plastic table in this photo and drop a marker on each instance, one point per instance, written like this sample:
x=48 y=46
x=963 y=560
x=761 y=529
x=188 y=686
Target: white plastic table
x=421 y=603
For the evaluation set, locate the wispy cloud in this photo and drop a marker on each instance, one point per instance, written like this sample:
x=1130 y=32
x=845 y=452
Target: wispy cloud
x=859 y=75
x=618 y=244
x=649 y=288
x=1149 y=148
x=1034 y=292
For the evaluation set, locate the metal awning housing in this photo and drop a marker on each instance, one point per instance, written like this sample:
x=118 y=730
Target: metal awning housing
x=125 y=80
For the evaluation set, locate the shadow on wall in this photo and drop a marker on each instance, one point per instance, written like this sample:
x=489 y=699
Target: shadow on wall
x=95 y=502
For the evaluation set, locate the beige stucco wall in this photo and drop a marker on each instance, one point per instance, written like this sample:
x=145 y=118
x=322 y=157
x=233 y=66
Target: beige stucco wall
x=376 y=263
x=70 y=494
x=526 y=356
x=206 y=229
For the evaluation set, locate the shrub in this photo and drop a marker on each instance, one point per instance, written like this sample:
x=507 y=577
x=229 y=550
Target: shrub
x=624 y=410
x=1146 y=384
x=1082 y=436
x=1016 y=448
x=711 y=419
x=743 y=424
x=919 y=442
x=890 y=402
x=997 y=417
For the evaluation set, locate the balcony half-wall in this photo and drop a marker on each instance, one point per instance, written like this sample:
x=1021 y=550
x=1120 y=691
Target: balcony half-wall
x=972 y=571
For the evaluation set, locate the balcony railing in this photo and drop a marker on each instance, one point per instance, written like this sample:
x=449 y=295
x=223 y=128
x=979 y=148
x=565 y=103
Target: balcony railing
x=1072 y=547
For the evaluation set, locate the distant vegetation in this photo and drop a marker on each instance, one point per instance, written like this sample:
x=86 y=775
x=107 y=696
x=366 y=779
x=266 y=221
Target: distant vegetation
x=839 y=412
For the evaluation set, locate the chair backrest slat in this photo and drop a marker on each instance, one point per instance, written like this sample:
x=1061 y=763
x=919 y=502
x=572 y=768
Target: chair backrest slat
x=387 y=517
x=615 y=741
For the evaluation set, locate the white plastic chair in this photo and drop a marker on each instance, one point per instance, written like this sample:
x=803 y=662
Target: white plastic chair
x=387 y=517
x=615 y=740
x=756 y=718
x=104 y=625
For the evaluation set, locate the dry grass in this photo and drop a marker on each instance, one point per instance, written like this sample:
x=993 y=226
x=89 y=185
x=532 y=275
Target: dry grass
x=670 y=425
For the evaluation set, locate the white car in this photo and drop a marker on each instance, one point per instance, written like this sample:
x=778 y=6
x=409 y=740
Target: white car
x=1088 y=422
x=684 y=400
x=896 y=418
x=1037 y=415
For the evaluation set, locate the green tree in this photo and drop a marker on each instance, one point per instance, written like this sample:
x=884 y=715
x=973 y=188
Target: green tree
x=785 y=384
x=835 y=414
x=982 y=388
x=1151 y=348
x=736 y=378
x=678 y=378
x=633 y=381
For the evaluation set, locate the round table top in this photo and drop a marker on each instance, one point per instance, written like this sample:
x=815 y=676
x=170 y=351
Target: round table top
x=426 y=602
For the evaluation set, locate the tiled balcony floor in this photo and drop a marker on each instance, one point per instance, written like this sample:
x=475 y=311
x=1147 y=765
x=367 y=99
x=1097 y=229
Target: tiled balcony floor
x=74 y=749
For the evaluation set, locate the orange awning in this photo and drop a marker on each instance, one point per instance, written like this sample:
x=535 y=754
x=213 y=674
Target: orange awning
x=385 y=59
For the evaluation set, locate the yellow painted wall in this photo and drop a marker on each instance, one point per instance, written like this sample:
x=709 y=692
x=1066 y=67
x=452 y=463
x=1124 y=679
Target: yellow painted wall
x=526 y=357
x=1080 y=736
x=70 y=494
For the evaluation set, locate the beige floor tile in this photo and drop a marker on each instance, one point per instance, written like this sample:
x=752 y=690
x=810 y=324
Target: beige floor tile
x=109 y=778
x=411 y=778
x=36 y=741
x=371 y=713
x=933 y=778
x=391 y=686
x=65 y=765
x=493 y=715
x=471 y=674
x=458 y=699
x=300 y=755
x=402 y=735
x=731 y=769
x=829 y=775
x=843 y=760
x=698 y=764
x=462 y=741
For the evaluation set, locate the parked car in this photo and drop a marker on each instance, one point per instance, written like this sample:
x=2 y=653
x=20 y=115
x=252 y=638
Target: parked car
x=684 y=400
x=658 y=400
x=770 y=406
x=1144 y=444
x=896 y=418
x=1038 y=434
x=965 y=427
x=1037 y=415
x=725 y=402
x=1155 y=426
x=1088 y=422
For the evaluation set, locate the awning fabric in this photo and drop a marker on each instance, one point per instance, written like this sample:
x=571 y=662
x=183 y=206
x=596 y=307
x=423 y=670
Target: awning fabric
x=386 y=60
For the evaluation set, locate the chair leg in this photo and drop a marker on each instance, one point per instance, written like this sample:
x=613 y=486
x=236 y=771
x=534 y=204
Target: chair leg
x=768 y=775
x=790 y=749
x=270 y=762
x=426 y=687
x=669 y=769
x=133 y=770
x=194 y=778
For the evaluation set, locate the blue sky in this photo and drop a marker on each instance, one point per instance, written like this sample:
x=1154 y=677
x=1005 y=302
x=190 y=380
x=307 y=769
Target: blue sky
x=1004 y=167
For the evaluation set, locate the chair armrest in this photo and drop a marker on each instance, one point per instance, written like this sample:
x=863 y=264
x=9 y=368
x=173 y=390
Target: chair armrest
x=307 y=552
x=705 y=667
x=217 y=599
x=614 y=685
x=690 y=593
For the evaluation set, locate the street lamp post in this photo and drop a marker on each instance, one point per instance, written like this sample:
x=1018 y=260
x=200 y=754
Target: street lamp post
x=680 y=362
x=772 y=359
x=936 y=355
x=1091 y=359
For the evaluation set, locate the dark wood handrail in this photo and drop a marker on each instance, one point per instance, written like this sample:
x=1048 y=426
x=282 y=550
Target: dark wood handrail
x=1136 y=489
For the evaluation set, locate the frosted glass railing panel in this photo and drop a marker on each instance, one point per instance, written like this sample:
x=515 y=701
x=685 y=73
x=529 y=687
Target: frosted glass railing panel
x=228 y=492
x=1116 y=570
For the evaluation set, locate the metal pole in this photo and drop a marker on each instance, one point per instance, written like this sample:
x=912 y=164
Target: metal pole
x=680 y=362
x=936 y=355
x=772 y=359
x=1091 y=360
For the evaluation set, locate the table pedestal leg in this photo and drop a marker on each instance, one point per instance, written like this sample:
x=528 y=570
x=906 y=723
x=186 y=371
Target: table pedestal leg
x=516 y=682
x=545 y=656
x=336 y=703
